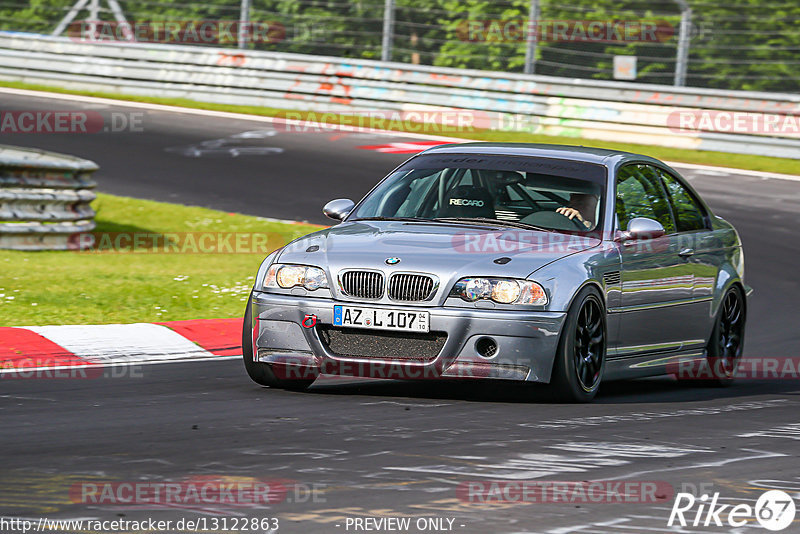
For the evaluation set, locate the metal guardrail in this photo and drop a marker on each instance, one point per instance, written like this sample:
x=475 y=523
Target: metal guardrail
x=44 y=200
x=611 y=111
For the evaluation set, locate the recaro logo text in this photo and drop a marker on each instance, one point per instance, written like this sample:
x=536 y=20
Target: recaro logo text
x=466 y=202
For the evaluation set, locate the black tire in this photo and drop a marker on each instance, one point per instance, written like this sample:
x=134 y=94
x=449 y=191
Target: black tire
x=262 y=373
x=581 y=355
x=726 y=344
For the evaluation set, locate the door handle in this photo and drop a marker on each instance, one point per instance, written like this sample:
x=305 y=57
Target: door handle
x=686 y=253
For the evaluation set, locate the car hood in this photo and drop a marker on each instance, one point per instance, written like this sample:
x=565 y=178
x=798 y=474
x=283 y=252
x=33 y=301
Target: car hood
x=449 y=251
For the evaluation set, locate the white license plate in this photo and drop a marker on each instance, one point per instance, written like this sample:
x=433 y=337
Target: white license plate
x=381 y=319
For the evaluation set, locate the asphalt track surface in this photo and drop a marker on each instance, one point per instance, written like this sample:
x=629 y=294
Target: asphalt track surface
x=389 y=448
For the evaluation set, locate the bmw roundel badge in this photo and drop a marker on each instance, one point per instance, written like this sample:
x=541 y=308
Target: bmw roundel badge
x=392 y=261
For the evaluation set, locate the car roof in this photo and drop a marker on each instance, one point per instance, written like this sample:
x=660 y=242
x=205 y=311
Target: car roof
x=586 y=154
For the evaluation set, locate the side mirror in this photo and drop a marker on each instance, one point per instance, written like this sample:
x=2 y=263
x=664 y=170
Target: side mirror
x=338 y=209
x=642 y=228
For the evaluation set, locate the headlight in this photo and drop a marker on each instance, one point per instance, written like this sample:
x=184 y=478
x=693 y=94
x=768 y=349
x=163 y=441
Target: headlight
x=477 y=288
x=505 y=291
x=289 y=276
x=501 y=290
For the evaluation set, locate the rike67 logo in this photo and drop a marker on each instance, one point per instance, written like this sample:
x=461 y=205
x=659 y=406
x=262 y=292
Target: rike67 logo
x=774 y=510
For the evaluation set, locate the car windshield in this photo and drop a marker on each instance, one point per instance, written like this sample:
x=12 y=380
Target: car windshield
x=544 y=193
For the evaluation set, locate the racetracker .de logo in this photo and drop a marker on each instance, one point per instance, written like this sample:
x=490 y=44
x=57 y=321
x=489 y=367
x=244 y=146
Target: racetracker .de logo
x=430 y=120
x=547 y=491
x=68 y=122
x=65 y=368
x=176 y=242
x=190 y=32
x=519 y=241
x=734 y=122
x=747 y=368
x=560 y=31
x=194 y=491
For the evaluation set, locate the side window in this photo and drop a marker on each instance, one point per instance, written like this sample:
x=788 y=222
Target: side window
x=639 y=194
x=688 y=213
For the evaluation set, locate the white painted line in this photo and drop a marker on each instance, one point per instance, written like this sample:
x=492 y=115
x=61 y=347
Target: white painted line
x=761 y=455
x=122 y=342
x=219 y=114
x=567 y=530
x=731 y=170
x=341 y=127
x=410 y=404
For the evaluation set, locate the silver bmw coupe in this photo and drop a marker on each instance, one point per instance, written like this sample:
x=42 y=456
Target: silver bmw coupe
x=542 y=263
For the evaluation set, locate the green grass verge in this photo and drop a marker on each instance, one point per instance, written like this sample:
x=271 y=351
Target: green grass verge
x=722 y=159
x=98 y=287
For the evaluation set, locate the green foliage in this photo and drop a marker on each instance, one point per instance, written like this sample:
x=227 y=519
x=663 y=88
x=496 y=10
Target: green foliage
x=140 y=284
x=741 y=44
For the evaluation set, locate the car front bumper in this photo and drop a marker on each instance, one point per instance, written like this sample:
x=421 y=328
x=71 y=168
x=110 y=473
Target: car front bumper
x=526 y=342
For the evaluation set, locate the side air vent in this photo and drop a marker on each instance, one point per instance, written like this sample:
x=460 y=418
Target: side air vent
x=611 y=278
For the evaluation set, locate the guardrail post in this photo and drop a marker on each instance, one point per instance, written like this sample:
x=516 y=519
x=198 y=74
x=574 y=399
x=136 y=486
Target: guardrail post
x=76 y=8
x=388 y=31
x=532 y=40
x=94 y=9
x=682 y=59
x=244 y=24
x=94 y=17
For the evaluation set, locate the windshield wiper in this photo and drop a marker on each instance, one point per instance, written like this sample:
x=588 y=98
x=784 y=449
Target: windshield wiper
x=496 y=222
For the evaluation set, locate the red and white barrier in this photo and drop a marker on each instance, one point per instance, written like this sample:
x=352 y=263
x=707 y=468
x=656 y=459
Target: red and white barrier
x=77 y=345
